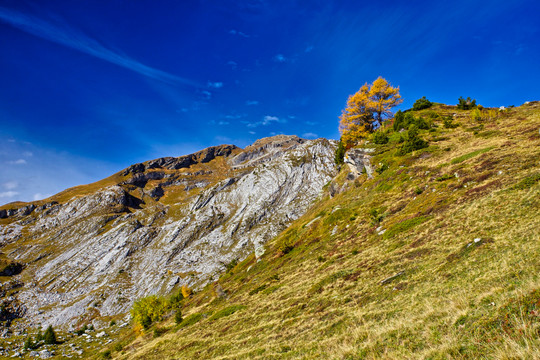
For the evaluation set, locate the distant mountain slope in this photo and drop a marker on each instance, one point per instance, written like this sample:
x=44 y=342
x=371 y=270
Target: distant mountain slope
x=435 y=257
x=89 y=252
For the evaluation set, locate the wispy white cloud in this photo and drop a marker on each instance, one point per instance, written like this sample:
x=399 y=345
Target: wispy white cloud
x=8 y=194
x=310 y=135
x=252 y=102
x=267 y=120
x=223 y=139
x=252 y=132
x=311 y=123
x=239 y=33
x=27 y=154
x=223 y=122
x=235 y=116
x=63 y=34
x=40 y=196
x=215 y=85
x=309 y=49
x=206 y=94
x=17 y=162
x=10 y=185
x=280 y=58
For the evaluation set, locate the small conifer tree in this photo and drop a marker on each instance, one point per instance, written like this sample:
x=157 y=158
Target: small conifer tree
x=178 y=317
x=340 y=153
x=49 y=336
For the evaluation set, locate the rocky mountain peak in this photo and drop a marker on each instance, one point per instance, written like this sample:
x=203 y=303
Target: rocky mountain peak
x=181 y=162
x=89 y=252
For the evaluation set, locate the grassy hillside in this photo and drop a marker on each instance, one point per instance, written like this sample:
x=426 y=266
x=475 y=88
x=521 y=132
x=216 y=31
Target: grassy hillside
x=436 y=257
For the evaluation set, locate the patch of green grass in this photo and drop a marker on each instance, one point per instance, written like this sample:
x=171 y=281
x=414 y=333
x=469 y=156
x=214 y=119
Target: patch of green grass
x=470 y=155
x=527 y=182
x=271 y=289
x=404 y=226
x=445 y=177
x=258 y=289
x=190 y=320
x=226 y=312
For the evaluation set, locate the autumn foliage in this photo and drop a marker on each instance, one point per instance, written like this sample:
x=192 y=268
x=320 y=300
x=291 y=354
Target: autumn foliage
x=367 y=109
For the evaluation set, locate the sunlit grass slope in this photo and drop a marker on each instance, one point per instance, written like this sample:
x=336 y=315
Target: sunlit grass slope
x=436 y=257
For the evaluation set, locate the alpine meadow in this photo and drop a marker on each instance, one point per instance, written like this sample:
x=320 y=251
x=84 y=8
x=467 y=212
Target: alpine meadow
x=249 y=179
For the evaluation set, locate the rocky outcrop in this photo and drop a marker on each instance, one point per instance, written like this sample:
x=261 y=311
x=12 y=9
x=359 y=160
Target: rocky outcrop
x=165 y=225
x=358 y=161
x=175 y=163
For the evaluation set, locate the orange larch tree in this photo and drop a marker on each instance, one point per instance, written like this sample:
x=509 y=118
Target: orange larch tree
x=366 y=109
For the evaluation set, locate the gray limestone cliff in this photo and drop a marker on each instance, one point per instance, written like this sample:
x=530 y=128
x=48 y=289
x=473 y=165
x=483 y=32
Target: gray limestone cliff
x=155 y=226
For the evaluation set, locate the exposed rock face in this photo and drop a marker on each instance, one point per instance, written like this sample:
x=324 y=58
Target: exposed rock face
x=358 y=160
x=167 y=222
x=182 y=162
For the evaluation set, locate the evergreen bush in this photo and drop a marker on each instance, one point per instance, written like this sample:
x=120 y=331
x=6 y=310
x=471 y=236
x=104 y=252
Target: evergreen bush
x=422 y=103
x=413 y=142
x=466 y=104
x=340 y=153
x=379 y=137
x=49 y=337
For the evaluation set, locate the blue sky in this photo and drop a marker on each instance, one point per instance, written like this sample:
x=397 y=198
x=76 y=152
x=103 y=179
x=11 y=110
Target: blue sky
x=90 y=87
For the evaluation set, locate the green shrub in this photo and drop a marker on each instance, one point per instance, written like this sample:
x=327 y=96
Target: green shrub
x=340 y=153
x=405 y=120
x=421 y=123
x=321 y=258
x=413 y=142
x=376 y=216
x=476 y=115
x=418 y=190
x=287 y=241
x=231 y=265
x=382 y=169
x=158 y=331
x=80 y=331
x=466 y=104
x=49 y=337
x=399 y=118
x=106 y=354
x=175 y=301
x=149 y=309
x=448 y=123
x=29 y=344
x=178 y=317
x=431 y=114
x=422 y=103
x=379 y=137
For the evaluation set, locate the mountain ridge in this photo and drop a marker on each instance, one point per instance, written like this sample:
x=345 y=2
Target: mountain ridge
x=215 y=199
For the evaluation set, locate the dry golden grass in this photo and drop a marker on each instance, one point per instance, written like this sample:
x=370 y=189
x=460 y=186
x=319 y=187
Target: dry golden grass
x=444 y=295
